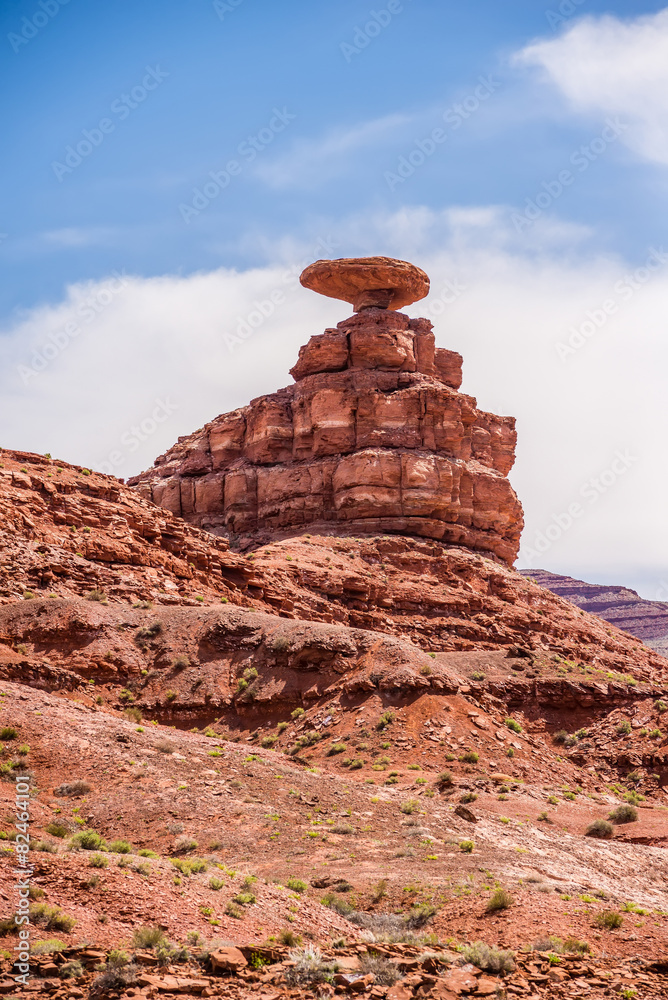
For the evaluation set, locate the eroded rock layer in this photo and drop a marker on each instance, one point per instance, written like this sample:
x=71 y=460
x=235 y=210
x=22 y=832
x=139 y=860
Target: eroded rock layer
x=373 y=438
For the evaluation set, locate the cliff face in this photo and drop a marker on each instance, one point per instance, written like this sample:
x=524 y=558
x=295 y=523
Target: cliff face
x=373 y=438
x=647 y=620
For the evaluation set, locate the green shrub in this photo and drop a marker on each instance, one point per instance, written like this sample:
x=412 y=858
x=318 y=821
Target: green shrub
x=215 y=883
x=468 y=797
x=487 y=958
x=600 y=829
x=466 y=846
x=624 y=728
x=499 y=900
x=73 y=969
x=234 y=911
x=244 y=898
x=297 y=713
x=297 y=885
x=336 y=748
x=88 y=840
x=148 y=937
x=385 y=720
x=470 y=757
x=478 y=675
x=623 y=814
x=608 y=920
x=51 y=918
x=97 y=861
x=8 y=733
x=120 y=847
x=409 y=806
x=513 y=725
x=444 y=778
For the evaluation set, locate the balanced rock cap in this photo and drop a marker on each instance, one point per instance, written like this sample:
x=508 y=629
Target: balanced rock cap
x=367 y=282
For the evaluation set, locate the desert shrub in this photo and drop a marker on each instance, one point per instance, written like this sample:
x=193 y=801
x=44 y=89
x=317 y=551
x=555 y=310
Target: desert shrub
x=97 y=861
x=289 y=938
x=544 y=818
x=499 y=900
x=297 y=713
x=232 y=910
x=487 y=958
x=624 y=728
x=660 y=705
x=134 y=715
x=97 y=595
x=409 y=806
x=71 y=970
x=466 y=846
x=88 y=840
x=297 y=885
x=147 y=853
x=470 y=757
x=115 y=980
x=268 y=741
x=549 y=944
x=576 y=947
x=338 y=904
x=46 y=846
x=46 y=947
x=244 y=898
x=336 y=748
x=478 y=675
x=72 y=789
x=560 y=736
x=34 y=892
x=164 y=745
x=180 y=662
x=623 y=814
x=468 y=797
x=145 y=635
x=126 y=695
x=216 y=883
x=444 y=778
x=8 y=733
x=147 y=937
x=342 y=828
x=310 y=968
x=379 y=891
x=51 y=918
x=281 y=727
x=513 y=725
x=419 y=916
x=184 y=844
x=355 y=765
x=600 y=828
x=386 y=719
x=120 y=847
x=279 y=644
x=608 y=920
x=385 y=973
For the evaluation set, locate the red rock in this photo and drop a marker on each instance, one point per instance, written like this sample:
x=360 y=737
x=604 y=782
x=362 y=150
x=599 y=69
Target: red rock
x=373 y=438
x=366 y=282
x=460 y=981
x=227 y=959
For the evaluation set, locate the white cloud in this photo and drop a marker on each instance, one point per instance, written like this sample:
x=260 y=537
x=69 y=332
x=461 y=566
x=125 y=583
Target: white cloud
x=165 y=339
x=608 y=66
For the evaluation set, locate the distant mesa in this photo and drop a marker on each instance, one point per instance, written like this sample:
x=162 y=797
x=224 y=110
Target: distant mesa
x=368 y=282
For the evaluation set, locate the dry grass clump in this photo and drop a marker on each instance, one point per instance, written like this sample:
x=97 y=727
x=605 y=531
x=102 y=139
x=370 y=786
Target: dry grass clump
x=488 y=958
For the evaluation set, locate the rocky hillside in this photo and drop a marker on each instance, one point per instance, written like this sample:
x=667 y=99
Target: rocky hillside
x=648 y=620
x=298 y=727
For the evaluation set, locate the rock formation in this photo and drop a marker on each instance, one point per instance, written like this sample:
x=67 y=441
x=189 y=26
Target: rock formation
x=373 y=438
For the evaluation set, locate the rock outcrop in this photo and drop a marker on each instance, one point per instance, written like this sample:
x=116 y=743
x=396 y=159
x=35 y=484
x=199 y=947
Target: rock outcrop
x=373 y=438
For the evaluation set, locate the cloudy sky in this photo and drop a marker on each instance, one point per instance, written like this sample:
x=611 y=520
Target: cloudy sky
x=175 y=165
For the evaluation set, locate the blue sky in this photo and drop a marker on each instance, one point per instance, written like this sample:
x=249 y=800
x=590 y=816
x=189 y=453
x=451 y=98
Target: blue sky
x=305 y=113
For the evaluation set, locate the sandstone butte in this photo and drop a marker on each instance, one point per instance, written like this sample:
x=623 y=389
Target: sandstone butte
x=288 y=691
x=372 y=438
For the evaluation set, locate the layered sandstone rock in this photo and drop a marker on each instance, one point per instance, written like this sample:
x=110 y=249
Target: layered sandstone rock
x=373 y=438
